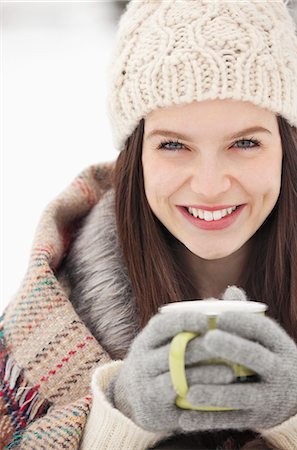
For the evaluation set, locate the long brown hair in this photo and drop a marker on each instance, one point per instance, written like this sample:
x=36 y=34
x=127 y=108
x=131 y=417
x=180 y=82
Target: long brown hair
x=156 y=275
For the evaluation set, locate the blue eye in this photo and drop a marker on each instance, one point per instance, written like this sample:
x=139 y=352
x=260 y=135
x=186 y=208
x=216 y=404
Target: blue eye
x=163 y=144
x=247 y=144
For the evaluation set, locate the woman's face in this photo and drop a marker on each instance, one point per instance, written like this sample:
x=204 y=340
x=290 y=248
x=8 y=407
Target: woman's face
x=212 y=172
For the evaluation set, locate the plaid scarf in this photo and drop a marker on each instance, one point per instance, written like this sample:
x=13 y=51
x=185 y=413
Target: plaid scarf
x=47 y=354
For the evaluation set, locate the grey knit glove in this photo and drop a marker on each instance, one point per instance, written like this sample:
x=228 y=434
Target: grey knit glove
x=259 y=343
x=143 y=390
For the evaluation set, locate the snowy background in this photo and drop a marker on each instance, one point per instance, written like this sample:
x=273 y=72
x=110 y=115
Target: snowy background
x=54 y=58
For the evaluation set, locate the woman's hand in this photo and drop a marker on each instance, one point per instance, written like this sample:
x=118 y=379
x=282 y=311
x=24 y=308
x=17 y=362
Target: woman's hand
x=143 y=390
x=259 y=343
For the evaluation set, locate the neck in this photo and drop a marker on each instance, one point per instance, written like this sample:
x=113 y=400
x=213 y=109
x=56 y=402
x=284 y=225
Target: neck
x=212 y=277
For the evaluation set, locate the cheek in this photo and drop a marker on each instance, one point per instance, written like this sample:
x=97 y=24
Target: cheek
x=264 y=181
x=160 y=179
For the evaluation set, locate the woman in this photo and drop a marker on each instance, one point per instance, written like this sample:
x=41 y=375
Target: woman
x=202 y=196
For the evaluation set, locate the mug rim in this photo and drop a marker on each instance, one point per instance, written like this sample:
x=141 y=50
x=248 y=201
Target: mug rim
x=212 y=308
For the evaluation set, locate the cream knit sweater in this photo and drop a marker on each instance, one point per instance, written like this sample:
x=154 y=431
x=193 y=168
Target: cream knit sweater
x=107 y=428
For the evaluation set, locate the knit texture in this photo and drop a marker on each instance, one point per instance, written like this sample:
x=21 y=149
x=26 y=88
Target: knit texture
x=47 y=353
x=117 y=431
x=283 y=436
x=173 y=52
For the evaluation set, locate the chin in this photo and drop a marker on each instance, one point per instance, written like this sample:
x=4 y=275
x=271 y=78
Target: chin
x=211 y=255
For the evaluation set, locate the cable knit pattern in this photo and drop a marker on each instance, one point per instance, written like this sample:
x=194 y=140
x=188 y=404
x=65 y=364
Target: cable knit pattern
x=177 y=51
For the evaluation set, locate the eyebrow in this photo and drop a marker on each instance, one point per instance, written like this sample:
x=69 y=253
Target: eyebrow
x=182 y=136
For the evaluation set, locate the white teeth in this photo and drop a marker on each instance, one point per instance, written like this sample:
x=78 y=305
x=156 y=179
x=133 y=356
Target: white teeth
x=217 y=215
x=201 y=214
x=208 y=216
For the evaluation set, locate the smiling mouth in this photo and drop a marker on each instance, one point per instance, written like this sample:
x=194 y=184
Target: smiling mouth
x=209 y=216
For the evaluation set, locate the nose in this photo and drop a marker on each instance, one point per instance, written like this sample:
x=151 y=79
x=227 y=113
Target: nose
x=211 y=178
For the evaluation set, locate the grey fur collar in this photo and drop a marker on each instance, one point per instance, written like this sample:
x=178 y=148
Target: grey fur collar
x=100 y=288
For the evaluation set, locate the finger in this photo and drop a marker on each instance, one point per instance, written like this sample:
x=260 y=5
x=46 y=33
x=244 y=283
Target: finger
x=190 y=421
x=157 y=359
x=196 y=351
x=215 y=374
x=210 y=374
x=157 y=363
x=241 y=351
x=256 y=327
x=234 y=293
x=241 y=396
x=162 y=387
x=164 y=326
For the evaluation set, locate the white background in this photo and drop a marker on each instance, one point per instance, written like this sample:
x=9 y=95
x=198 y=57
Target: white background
x=54 y=59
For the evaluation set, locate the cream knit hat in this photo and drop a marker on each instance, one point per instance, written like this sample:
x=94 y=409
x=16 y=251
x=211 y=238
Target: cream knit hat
x=175 y=51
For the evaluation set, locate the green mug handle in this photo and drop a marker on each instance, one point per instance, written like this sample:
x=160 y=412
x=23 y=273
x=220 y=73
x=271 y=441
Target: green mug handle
x=178 y=372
